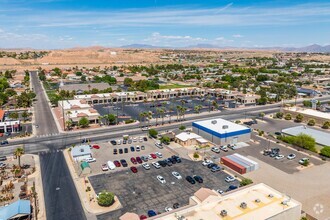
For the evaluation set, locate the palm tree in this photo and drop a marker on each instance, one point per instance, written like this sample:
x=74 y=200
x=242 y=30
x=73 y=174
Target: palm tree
x=178 y=107
x=18 y=153
x=142 y=116
x=162 y=111
x=68 y=124
x=157 y=114
x=183 y=111
x=149 y=116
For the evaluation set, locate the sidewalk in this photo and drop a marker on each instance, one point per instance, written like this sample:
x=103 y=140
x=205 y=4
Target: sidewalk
x=88 y=199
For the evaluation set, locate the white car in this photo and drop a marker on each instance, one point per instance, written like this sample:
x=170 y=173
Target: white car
x=177 y=175
x=111 y=165
x=159 y=145
x=145 y=128
x=137 y=148
x=229 y=179
x=168 y=209
x=141 y=139
x=134 y=139
x=149 y=157
x=159 y=155
x=224 y=148
x=105 y=167
x=90 y=160
x=279 y=157
x=161 y=179
x=302 y=161
x=215 y=150
x=156 y=165
x=119 y=142
x=207 y=162
x=146 y=166
x=291 y=156
x=220 y=191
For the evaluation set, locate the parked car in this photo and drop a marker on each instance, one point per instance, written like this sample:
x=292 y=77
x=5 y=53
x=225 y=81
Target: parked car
x=168 y=209
x=198 y=178
x=220 y=191
x=149 y=157
x=117 y=164
x=176 y=158
x=211 y=165
x=123 y=163
x=168 y=162
x=215 y=168
x=190 y=180
x=143 y=147
x=224 y=148
x=215 y=150
x=137 y=148
x=145 y=138
x=291 y=156
x=229 y=179
x=129 y=141
x=303 y=160
x=232 y=146
x=104 y=167
x=159 y=155
x=161 y=179
x=279 y=157
x=176 y=205
x=118 y=142
x=124 y=141
x=111 y=165
x=133 y=160
x=162 y=163
x=89 y=160
x=144 y=158
x=156 y=165
x=267 y=152
x=231 y=187
x=154 y=156
x=151 y=213
x=4 y=142
x=142 y=217
x=120 y=151
x=177 y=175
x=146 y=166
x=126 y=150
x=145 y=128
x=115 y=151
x=172 y=160
x=159 y=145
x=96 y=146
x=3 y=158
x=132 y=149
x=207 y=162
x=138 y=159
x=134 y=169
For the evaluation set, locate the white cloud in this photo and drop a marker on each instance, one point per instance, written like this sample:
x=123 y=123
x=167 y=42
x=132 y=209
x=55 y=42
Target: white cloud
x=178 y=40
x=237 y=36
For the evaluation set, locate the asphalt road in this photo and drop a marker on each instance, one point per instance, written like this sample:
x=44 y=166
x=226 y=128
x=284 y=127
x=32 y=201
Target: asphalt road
x=43 y=115
x=61 y=198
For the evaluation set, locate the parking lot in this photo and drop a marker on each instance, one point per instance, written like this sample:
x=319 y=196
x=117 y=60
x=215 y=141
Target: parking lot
x=132 y=110
x=256 y=150
x=141 y=191
x=105 y=153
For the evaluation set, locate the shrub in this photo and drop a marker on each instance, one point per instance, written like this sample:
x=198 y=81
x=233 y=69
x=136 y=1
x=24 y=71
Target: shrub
x=238 y=122
x=105 y=198
x=306 y=163
x=288 y=117
x=326 y=125
x=129 y=121
x=261 y=133
x=302 y=140
x=279 y=115
x=299 y=118
x=153 y=133
x=246 y=182
x=196 y=155
x=182 y=127
x=325 y=151
x=311 y=122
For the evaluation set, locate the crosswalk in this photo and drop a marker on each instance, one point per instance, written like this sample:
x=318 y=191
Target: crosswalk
x=48 y=135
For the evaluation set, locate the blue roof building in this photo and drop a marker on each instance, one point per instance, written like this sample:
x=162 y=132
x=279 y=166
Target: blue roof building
x=18 y=209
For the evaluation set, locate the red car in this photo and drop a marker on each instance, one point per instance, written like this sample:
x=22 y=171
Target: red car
x=134 y=169
x=133 y=160
x=154 y=156
x=143 y=217
x=117 y=164
x=96 y=146
x=139 y=160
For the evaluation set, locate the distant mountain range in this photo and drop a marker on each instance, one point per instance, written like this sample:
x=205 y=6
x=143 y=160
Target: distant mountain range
x=314 y=48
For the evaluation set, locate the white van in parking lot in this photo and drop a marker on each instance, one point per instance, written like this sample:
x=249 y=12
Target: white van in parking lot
x=111 y=165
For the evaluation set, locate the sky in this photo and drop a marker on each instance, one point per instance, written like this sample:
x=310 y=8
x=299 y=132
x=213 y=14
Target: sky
x=57 y=24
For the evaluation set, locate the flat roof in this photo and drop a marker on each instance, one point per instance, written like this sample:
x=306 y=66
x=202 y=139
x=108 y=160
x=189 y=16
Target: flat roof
x=81 y=150
x=321 y=137
x=211 y=207
x=311 y=112
x=217 y=125
x=184 y=136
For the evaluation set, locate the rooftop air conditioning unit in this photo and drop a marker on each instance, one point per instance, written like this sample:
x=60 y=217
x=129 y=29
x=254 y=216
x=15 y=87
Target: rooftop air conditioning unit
x=257 y=201
x=223 y=213
x=225 y=127
x=81 y=150
x=285 y=202
x=270 y=195
x=214 y=122
x=243 y=205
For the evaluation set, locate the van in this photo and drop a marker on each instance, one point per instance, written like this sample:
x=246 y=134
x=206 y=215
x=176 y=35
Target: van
x=111 y=165
x=3 y=158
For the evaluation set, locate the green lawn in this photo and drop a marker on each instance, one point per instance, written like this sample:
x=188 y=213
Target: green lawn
x=173 y=86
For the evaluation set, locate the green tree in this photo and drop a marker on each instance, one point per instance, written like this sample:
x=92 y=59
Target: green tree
x=196 y=155
x=288 y=116
x=182 y=127
x=311 y=122
x=10 y=92
x=262 y=115
x=83 y=122
x=128 y=82
x=18 y=153
x=13 y=115
x=105 y=198
x=110 y=118
x=165 y=139
x=153 y=133
x=279 y=115
x=326 y=125
x=325 y=151
x=299 y=118
x=246 y=182
x=25 y=114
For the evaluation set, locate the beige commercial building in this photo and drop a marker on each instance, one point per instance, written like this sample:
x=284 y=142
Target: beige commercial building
x=256 y=202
